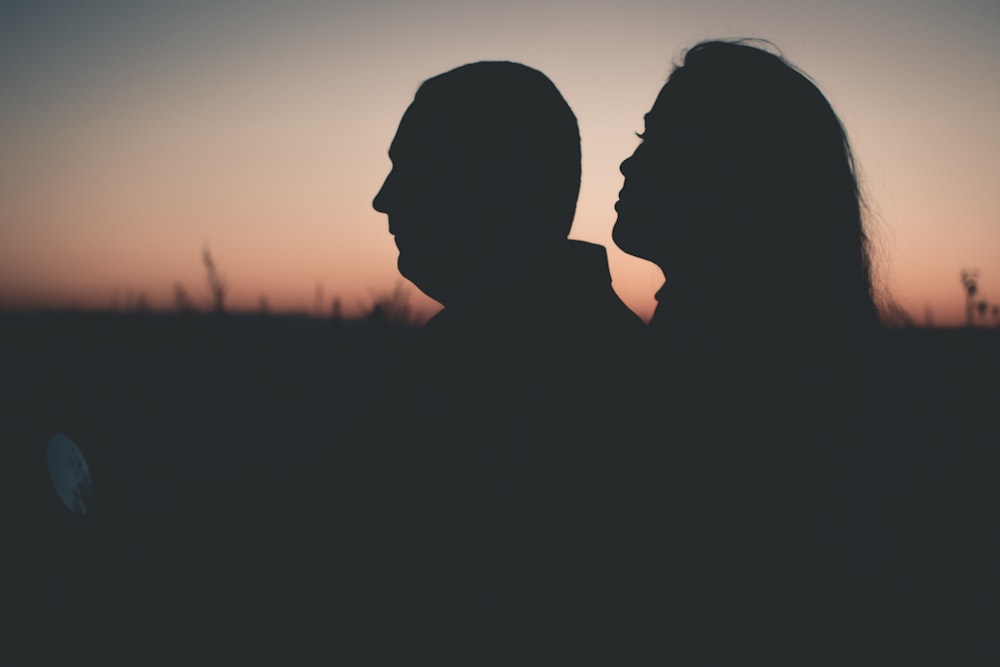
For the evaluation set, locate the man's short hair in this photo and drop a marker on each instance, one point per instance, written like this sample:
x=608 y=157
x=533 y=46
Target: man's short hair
x=513 y=130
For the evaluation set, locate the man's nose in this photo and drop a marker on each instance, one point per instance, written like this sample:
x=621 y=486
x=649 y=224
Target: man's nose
x=383 y=198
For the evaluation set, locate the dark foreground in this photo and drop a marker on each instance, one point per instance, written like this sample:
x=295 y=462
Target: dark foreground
x=195 y=424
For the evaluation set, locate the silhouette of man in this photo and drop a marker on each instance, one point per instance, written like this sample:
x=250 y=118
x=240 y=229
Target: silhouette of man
x=506 y=433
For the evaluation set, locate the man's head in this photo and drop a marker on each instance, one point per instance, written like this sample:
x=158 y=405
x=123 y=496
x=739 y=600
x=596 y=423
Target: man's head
x=486 y=169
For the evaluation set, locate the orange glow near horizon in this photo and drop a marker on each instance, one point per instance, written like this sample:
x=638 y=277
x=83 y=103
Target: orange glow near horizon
x=262 y=134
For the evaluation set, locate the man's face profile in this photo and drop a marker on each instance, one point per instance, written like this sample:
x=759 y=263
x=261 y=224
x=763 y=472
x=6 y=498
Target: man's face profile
x=428 y=199
x=485 y=175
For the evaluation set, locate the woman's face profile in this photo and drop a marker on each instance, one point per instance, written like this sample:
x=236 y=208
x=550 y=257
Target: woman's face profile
x=666 y=192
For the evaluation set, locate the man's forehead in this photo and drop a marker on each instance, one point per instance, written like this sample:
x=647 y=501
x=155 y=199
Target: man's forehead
x=425 y=130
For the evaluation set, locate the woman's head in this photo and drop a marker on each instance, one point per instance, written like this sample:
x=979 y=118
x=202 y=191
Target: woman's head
x=745 y=182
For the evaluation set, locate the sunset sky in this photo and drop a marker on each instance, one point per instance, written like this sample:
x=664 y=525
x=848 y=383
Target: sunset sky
x=133 y=134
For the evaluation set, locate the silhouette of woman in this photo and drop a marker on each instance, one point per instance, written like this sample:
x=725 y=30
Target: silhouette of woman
x=744 y=192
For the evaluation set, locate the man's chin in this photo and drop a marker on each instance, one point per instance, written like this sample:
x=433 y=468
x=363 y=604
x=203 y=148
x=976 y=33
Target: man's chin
x=423 y=279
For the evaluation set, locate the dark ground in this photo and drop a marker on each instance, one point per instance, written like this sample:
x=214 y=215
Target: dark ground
x=191 y=423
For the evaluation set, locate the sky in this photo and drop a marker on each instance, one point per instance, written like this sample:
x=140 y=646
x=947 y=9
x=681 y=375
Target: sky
x=133 y=135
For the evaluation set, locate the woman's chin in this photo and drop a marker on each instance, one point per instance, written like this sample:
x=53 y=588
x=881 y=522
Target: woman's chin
x=625 y=237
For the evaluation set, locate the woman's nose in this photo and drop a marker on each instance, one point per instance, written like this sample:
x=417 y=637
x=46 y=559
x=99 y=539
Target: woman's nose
x=624 y=166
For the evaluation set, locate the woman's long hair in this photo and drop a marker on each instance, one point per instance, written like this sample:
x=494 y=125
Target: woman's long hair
x=779 y=255
x=745 y=192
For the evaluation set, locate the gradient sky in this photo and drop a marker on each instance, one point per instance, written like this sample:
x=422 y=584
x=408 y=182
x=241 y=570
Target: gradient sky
x=132 y=134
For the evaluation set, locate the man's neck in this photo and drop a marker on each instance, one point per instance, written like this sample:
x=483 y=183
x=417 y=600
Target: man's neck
x=505 y=274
